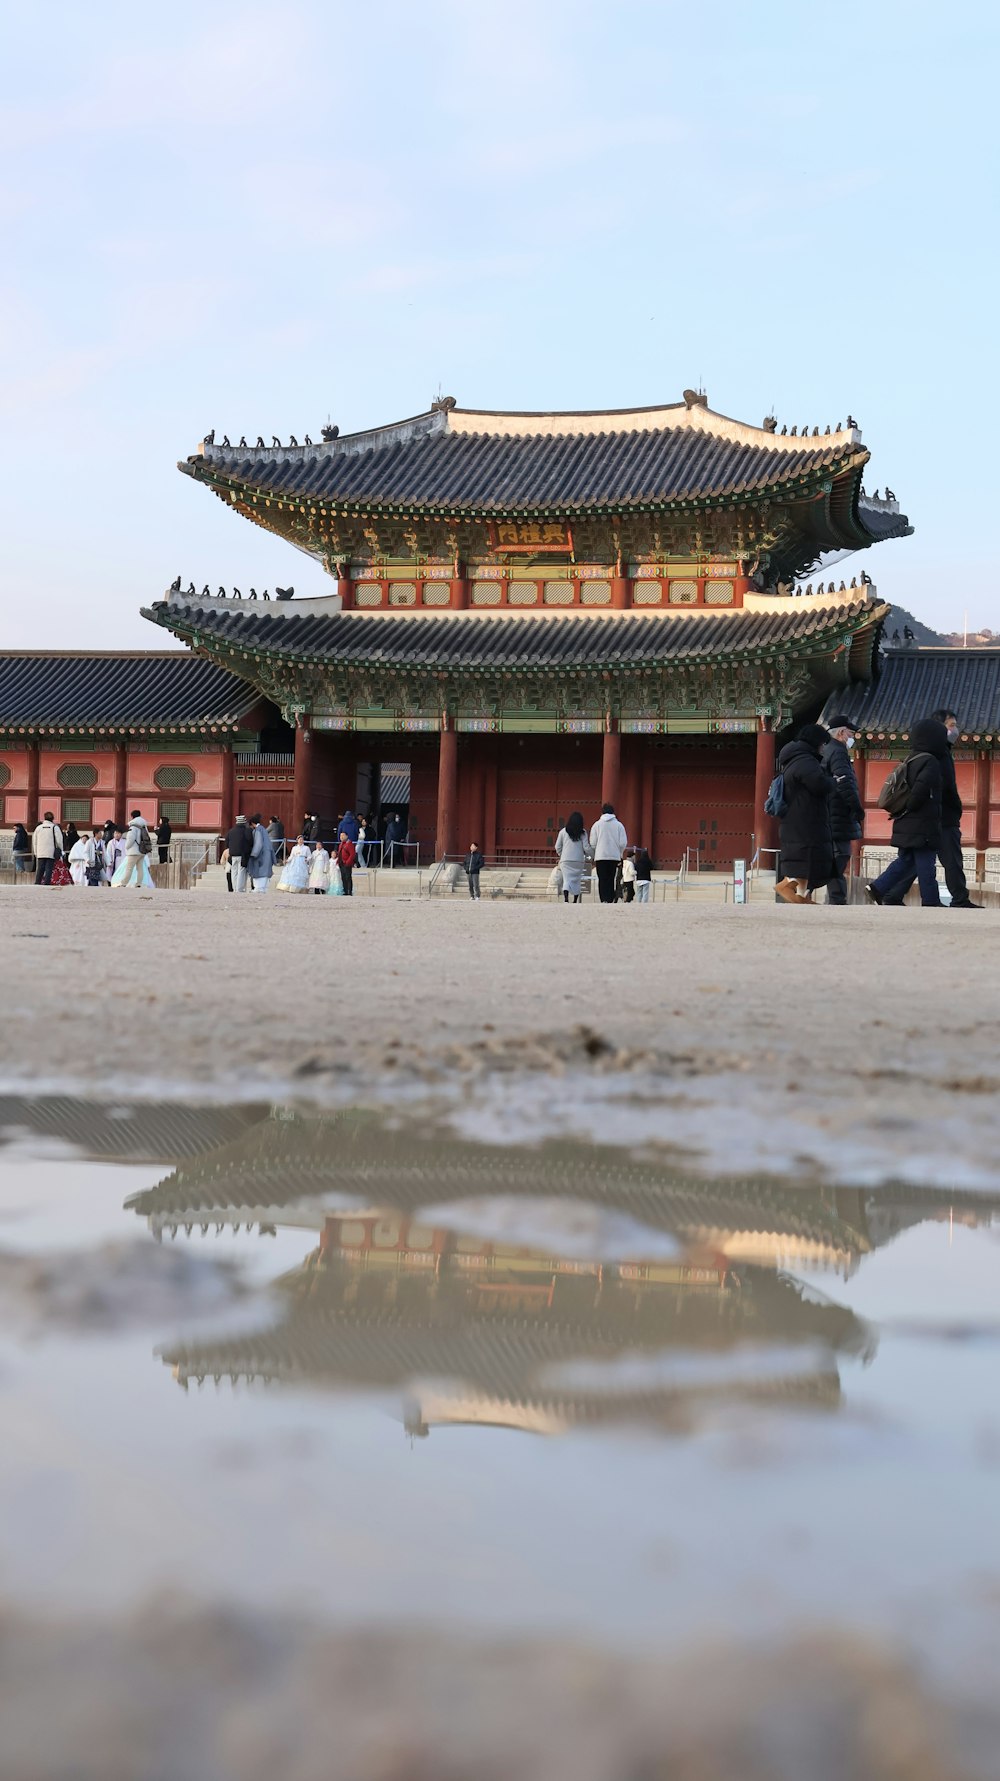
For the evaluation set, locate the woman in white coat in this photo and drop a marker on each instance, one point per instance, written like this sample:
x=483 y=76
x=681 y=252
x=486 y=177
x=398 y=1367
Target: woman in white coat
x=574 y=851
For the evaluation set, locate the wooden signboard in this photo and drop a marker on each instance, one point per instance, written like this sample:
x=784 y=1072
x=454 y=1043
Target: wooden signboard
x=530 y=536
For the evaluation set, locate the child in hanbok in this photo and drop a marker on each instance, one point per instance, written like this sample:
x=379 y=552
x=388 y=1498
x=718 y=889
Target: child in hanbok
x=335 y=888
x=295 y=876
x=319 y=870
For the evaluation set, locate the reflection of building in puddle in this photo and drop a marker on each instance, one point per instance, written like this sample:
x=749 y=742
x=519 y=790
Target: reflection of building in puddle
x=293 y=1169
x=513 y=1333
x=492 y=1333
x=127 y=1131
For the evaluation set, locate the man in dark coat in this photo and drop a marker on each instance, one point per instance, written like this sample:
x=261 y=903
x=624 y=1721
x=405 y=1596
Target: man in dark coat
x=805 y=836
x=950 y=844
x=395 y=835
x=846 y=811
x=917 y=830
x=239 y=841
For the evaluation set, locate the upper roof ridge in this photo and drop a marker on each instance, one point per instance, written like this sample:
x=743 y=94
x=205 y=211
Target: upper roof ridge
x=691 y=414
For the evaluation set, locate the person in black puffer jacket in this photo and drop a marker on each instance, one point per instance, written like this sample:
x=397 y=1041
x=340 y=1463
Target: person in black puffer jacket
x=917 y=830
x=846 y=811
x=805 y=836
x=950 y=844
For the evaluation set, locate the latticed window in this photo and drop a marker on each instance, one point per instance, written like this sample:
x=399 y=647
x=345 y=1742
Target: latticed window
x=77 y=775
x=403 y=593
x=683 y=593
x=175 y=810
x=4 y=773
x=558 y=593
x=173 y=779
x=437 y=593
x=595 y=593
x=719 y=593
x=77 y=810
x=522 y=593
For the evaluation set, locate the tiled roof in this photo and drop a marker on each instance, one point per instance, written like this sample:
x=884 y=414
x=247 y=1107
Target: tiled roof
x=515 y=641
x=915 y=682
x=461 y=462
x=496 y=474
x=45 y=691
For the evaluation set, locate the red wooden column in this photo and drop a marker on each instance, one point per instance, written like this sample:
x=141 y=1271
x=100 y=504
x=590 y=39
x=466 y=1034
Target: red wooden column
x=303 y=772
x=860 y=765
x=984 y=767
x=119 y=782
x=646 y=823
x=33 y=811
x=459 y=586
x=611 y=762
x=765 y=827
x=489 y=840
x=621 y=591
x=447 y=788
x=345 y=583
x=229 y=810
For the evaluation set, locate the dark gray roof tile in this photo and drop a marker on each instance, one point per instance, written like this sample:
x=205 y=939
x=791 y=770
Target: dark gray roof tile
x=118 y=689
x=915 y=682
x=513 y=640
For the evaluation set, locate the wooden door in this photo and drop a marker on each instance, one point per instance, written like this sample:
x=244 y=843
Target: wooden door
x=703 y=799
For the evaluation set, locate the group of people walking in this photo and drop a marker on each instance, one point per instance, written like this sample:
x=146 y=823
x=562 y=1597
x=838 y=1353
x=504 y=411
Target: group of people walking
x=624 y=874
x=251 y=851
x=817 y=800
x=116 y=855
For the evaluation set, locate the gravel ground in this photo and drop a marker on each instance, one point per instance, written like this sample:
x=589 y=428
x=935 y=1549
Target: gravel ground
x=862 y=1041
x=230 y=1697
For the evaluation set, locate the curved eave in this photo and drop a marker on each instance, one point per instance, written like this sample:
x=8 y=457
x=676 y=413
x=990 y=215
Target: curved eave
x=259 y=500
x=832 y=631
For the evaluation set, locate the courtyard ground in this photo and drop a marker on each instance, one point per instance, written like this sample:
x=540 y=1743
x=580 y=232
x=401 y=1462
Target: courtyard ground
x=862 y=1043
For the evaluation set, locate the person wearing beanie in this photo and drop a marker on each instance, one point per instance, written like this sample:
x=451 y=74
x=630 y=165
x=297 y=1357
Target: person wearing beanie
x=805 y=836
x=916 y=831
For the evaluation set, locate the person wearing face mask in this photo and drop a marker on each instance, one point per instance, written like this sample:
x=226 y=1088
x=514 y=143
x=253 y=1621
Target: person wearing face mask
x=950 y=845
x=846 y=811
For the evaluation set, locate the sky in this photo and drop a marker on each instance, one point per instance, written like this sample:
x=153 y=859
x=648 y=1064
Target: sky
x=255 y=216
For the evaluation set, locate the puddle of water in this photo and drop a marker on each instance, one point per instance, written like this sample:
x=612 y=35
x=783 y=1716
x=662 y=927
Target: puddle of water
x=528 y=1391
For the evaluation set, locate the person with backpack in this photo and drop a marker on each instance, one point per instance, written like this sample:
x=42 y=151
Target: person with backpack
x=950 y=845
x=912 y=797
x=846 y=809
x=345 y=857
x=805 y=837
x=47 y=847
x=135 y=864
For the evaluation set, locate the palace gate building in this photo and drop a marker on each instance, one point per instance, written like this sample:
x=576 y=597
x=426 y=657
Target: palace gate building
x=539 y=612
